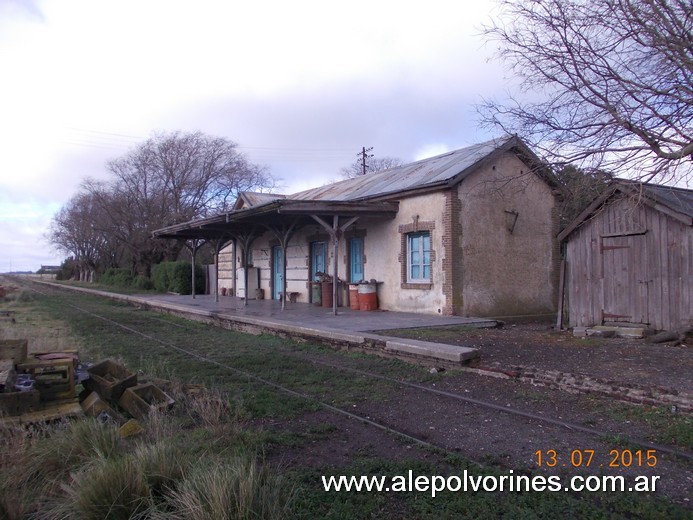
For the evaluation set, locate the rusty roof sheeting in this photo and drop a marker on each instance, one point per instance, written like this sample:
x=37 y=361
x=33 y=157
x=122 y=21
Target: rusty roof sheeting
x=253 y=198
x=436 y=171
x=420 y=174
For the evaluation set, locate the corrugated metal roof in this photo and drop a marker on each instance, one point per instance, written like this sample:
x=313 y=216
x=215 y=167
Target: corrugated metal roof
x=253 y=198
x=420 y=174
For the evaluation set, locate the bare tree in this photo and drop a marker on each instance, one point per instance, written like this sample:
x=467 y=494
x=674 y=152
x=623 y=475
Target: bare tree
x=606 y=84
x=373 y=165
x=170 y=178
x=75 y=231
x=186 y=175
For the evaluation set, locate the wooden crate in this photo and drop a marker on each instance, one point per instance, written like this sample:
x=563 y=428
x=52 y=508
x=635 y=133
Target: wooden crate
x=94 y=406
x=139 y=400
x=14 y=349
x=109 y=379
x=55 y=378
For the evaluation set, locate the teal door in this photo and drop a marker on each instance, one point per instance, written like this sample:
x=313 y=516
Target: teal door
x=277 y=272
x=318 y=256
x=356 y=260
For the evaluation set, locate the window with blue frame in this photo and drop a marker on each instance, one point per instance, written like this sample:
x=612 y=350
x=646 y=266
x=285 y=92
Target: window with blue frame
x=419 y=257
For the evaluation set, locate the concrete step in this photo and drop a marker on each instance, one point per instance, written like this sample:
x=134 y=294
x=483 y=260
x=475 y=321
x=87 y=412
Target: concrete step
x=606 y=331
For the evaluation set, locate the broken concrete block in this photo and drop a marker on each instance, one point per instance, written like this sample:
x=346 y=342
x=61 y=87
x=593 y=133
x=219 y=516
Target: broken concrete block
x=580 y=332
x=130 y=428
x=54 y=378
x=18 y=403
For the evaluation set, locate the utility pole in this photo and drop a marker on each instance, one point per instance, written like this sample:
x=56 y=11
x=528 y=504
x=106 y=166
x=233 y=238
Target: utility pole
x=364 y=155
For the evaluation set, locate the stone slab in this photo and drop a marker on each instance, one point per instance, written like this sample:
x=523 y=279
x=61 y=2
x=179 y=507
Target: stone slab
x=432 y=350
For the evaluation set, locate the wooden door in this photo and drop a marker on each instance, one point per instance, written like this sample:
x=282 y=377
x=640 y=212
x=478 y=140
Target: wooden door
x=318 y=258
x=356 y=260
x=625 y=280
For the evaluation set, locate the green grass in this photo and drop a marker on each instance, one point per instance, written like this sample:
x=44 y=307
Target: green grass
x=674 y=429
x=225 y=430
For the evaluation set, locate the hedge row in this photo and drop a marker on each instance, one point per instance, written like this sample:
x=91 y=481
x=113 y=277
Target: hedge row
x=175 y=277
x=121 y=277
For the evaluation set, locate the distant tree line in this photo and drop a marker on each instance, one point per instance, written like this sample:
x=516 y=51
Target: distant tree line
x=168 y=179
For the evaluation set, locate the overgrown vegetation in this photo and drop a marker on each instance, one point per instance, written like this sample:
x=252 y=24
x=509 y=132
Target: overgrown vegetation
x=85 y=470
x=672 y=429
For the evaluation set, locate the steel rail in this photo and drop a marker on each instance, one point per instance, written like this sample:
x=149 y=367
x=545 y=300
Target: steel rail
x=452 y=395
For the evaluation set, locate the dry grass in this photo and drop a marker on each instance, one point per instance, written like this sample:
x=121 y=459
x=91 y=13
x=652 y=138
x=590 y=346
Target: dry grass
x=15 y=443
x=212 y=411
x=237 y=489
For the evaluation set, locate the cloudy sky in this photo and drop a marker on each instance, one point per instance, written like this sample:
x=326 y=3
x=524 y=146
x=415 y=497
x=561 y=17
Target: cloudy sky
x=301 y=86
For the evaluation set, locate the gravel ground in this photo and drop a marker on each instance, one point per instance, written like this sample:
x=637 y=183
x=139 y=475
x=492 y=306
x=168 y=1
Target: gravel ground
x=539 y=345
x=502 y=439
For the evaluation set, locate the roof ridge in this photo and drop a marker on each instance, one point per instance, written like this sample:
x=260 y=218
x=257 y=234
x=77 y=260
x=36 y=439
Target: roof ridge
x=364 y=181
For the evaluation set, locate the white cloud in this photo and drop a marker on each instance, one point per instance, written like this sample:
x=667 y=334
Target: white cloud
x=301 y=85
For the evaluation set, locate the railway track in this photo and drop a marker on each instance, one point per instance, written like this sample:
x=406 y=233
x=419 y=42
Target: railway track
x=508 y=411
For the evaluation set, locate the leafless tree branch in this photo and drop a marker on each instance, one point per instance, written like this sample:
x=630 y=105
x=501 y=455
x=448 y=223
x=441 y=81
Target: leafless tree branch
x=605 y=84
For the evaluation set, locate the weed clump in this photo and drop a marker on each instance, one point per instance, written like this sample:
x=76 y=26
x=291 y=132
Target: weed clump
x=238 y=489
x=83 y=469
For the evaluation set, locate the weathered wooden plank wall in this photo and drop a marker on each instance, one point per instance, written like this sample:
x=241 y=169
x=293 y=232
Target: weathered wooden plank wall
x=632 y=260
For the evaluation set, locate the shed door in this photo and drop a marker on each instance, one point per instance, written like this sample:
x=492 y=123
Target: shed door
x=625 y=279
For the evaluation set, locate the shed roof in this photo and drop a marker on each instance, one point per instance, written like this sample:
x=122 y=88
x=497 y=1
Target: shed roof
x=677 y=199
x=675 y=202
x=275 y=213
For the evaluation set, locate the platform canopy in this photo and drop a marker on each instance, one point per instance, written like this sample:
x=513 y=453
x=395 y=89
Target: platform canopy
x=276 y=215
x=282 y=217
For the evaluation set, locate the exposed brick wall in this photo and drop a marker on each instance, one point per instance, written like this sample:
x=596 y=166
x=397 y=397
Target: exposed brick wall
x=451 y=264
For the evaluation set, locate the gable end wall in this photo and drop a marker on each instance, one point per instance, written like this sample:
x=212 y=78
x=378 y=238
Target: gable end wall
x=499 y=271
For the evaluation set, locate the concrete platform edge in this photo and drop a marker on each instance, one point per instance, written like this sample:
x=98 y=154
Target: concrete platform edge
x=421 y=352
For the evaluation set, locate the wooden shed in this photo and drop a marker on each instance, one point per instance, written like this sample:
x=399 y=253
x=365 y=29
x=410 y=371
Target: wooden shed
x=629 y=259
